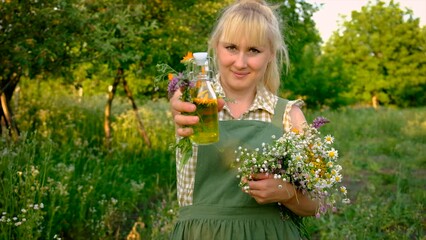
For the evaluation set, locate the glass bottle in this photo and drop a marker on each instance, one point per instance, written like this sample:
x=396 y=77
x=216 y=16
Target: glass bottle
x=204 y=97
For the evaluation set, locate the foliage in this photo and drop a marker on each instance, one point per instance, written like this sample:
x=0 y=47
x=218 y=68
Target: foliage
x=383 y=47
x=39 y=36
x=323 y=81
x=301 y=37
x=117 y=37
x=65 y=185
x=330 y=82
x=37 y=39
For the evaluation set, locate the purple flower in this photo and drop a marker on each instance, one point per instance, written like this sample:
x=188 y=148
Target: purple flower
x=179 y=82
x=319 y=122
x=173 y=86
x=185 y=82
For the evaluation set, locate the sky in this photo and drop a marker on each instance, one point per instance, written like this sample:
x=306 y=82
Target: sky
x=328 y=16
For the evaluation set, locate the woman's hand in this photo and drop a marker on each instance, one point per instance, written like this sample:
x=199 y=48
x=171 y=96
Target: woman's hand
x=182 y=120
x=265 y=189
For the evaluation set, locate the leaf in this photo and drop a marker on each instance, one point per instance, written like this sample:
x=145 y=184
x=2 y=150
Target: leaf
x=185 y=147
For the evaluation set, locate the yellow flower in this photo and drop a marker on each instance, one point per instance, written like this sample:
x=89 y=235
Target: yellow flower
x=187 y=58
x=170 y=76
x=205 y=101
x=295 y=130
x=332 y=153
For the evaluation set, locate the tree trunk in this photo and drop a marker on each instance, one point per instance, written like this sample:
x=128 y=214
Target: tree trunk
x=111 y=94
x=6 y=114
x=375 y=102
x=107 y=123
x=135 y=109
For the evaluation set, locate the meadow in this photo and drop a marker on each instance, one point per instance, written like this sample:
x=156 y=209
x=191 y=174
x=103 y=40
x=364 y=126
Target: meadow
x=59 y=181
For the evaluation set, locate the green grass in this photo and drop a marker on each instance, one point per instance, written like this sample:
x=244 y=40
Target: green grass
x=383 y=154
x=86 y=191
x=60 y=178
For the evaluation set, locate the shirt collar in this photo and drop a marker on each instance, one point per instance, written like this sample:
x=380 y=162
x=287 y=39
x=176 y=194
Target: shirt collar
x=264 y=100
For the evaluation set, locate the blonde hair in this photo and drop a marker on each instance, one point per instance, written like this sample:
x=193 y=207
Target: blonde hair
x=255 y=20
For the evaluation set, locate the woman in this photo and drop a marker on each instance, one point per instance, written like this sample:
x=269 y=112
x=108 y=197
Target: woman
x=249 y=52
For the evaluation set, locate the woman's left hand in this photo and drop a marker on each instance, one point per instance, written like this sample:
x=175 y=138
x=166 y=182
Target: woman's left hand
x=265 y=189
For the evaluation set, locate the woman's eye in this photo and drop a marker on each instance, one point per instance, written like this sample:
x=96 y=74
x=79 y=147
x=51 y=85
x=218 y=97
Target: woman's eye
x=254 y=50
x=231 y=48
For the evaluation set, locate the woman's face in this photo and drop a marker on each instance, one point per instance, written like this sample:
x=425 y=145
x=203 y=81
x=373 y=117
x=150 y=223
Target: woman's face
x=242 y=66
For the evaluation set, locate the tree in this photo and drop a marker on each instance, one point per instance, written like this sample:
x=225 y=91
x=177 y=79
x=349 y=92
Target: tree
x=117 y=27
x=300 y=35
x=36 y=37
x=384 y=48
x=324 y=79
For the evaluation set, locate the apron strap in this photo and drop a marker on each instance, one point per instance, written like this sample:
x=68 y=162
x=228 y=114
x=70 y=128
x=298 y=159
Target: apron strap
x=280 y=106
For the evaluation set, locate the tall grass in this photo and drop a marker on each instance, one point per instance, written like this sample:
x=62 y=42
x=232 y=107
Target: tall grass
x=60 y=182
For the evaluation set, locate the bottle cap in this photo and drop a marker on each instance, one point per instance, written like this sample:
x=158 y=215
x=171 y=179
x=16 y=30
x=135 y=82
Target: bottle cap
x=200 y=58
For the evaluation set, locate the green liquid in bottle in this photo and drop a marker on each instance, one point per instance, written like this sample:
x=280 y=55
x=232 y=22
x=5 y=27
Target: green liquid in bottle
x=204 y=98
x=207 y=130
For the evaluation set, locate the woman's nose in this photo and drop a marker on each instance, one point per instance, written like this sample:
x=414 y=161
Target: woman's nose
x=241 y=60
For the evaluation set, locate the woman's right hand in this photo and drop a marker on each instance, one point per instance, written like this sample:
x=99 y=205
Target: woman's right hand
x=182 y=120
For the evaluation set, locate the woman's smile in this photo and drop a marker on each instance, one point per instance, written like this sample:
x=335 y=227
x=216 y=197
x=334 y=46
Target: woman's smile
x=240 y=74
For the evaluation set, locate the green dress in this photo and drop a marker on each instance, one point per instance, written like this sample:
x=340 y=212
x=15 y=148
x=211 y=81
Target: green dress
x=220 y=209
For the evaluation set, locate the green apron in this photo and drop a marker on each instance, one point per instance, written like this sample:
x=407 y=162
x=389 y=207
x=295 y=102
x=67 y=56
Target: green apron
x=220 y=209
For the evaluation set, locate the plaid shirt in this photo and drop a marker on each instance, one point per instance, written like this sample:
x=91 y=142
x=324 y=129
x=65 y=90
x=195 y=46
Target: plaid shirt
x=262 y=109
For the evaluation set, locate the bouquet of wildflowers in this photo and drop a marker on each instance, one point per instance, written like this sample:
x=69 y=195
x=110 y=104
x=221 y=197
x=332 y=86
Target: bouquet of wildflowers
x=182 y=81
x=177 y=80
x=305 y=159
